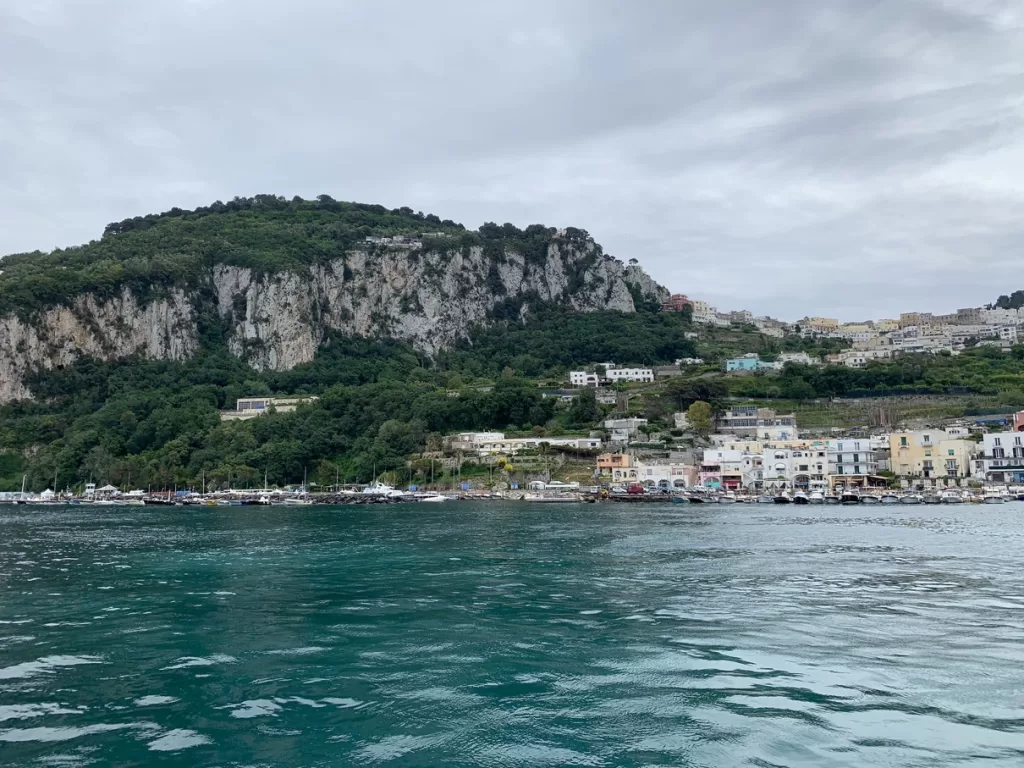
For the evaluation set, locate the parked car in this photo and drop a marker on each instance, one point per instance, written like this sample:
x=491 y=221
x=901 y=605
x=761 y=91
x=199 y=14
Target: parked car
x=617 y=489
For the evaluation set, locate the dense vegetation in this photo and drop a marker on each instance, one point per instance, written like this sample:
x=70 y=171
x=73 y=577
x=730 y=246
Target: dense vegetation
x=1014 y=301
x=981 y=370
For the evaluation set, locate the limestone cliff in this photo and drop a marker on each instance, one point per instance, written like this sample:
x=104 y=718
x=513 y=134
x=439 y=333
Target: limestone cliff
x=163 y=329
x=428 y=296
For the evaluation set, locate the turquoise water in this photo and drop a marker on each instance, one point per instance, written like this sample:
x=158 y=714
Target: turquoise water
x=513 y=635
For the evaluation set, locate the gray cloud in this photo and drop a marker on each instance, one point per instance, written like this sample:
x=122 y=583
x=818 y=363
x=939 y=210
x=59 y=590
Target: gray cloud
x=838 y=157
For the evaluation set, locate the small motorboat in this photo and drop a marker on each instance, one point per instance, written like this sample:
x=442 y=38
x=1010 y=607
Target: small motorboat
x=994 y=497
x=931 y=498
x=800 y=498
x=783 y=498
x=816 y=497
x=680 y=500
x=434 y=498
x=765 y=498
x=952 y=497
x=890 y=498
x=911 y=498
x=850 y=497
x=870 y=499
x=833 y=499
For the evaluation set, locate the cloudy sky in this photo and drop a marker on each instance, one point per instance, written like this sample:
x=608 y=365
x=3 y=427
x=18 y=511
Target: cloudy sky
x=853 y=158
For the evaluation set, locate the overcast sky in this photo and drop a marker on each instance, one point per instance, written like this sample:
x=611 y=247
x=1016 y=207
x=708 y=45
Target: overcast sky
x=852 y=159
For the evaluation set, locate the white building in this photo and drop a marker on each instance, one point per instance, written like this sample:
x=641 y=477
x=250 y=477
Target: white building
x=798 y=357
x=803 y=468
x=251 y=407
x=1001 y=458
x=495 y=443
x=583 y=379
x=851 y=461
x=629 y=374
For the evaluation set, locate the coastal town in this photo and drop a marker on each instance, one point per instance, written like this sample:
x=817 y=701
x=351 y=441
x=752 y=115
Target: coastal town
x=882 y=339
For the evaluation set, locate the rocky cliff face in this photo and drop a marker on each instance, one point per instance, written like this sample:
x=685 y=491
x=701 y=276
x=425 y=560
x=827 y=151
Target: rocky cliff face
x=164 y=329
x=429 y=298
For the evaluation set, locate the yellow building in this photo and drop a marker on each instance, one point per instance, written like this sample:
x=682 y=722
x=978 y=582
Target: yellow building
x=886 y=325
x=929 y=454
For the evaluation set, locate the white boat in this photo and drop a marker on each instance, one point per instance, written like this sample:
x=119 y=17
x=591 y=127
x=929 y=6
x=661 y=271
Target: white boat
x=783 y=498
x=832 y=499
x=931 y=498
x=382 y=489
x=869 y=499
x=912 y=498
x=801 y=498
x=434 y=498
x=816 y=497
x=951 y=497
x=562 y=498
x=993 y=496
x=890 y=498
x=849 y=497
x=296 y=501
x=765 y=498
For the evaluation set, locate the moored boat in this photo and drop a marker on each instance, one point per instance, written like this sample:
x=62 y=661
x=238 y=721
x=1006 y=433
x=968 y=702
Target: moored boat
x=816 y=497
x=801 y=498
x=831 y=498
x=869 y=498
x=680 y=500
x=849 y=497
x=890 y=498
x=783 y=498
x=911 y=498
x=952 y=497
x=765 y=498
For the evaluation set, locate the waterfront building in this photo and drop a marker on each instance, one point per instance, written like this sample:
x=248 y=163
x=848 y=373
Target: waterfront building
x=929 y=454
x=851 y=462
x=1001 y=457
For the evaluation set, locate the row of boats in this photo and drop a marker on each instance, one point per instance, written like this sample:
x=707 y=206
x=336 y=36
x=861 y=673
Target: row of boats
x=948 y=496
x=372 y=494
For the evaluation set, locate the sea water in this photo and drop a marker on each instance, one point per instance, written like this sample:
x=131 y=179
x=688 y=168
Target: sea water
x=501 y=634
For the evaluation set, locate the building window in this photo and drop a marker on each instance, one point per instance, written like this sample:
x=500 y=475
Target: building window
x=856 y=470
x=903 y=442
x=951 y=452
x=997 y=441
x=856 y=458
x=927 y=438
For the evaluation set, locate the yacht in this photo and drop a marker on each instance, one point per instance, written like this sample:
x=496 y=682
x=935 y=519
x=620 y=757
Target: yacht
x=993 y=496
x=890 y=498
x=911 y=498
x=849 y=497
x=433 y=498
x=800 y=498
x=952 y=497
x=868 y=498
x=765 y=498
x=783 y=498
x=382 y=489
x=832 y=498
x=931 y=498
x=816 y=497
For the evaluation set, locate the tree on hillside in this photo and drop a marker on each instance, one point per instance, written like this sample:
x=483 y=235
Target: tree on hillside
x=699 y=415
x=583 y=412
